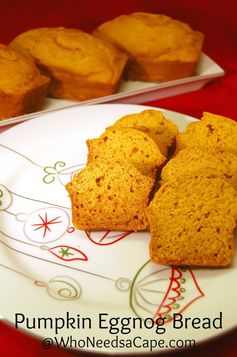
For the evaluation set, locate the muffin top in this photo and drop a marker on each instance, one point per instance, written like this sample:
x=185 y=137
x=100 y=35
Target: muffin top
x=154 y=35
x=72 y=51
x=18 y=72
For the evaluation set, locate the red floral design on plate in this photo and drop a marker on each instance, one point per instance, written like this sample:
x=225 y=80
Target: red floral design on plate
x=106 y=237
x=160 y=291
x=45 y=224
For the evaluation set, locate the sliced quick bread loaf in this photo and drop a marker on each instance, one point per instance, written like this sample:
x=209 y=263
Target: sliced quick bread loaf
x=110 y=195
x=127 y=144
x=192 y=222
x=213 y=131
x=194 y=160
x=152 y=122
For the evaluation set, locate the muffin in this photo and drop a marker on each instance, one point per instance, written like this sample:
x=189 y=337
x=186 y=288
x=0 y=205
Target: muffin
x=80 y=66
x=22 y=87
x=159 y=48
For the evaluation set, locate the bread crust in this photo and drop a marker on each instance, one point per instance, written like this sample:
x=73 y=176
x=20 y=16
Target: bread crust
x=192 y=221
x=22 y=87
x=80 y=66
x=160 y=48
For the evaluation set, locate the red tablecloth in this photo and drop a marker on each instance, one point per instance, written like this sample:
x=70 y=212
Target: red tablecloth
x=216 y=19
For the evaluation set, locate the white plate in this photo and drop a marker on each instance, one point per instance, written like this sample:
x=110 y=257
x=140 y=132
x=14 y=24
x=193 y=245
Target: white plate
x=49 y=269
x=139 y=92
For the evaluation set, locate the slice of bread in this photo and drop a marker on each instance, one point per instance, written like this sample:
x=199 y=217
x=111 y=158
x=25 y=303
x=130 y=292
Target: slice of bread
x=194 y=160
x=213 y=130
x=152 y=122
x=127 y=144
x=192 y=222
x=110 y=195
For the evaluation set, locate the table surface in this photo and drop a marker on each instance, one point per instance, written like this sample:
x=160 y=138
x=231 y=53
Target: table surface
x=218 y=23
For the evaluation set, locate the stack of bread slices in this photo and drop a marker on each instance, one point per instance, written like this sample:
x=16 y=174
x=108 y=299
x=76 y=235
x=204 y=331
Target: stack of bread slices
x=188 y=200
x=113 y=191
x=194 y=213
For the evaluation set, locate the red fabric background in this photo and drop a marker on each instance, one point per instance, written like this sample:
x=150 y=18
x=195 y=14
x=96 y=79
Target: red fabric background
x=217 y=19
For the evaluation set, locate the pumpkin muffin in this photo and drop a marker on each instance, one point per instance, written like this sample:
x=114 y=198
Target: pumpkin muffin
x=195 y=159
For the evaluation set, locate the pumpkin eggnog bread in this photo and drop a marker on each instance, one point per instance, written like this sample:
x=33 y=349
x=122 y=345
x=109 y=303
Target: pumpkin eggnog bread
x=159 y=48
x=110 y=195
x=128 y=144
x=212 y=130
x=80 y=66
x=193 y=213
x=152 y=122
x=194 y=160
x=22 y=87
x=192 y=222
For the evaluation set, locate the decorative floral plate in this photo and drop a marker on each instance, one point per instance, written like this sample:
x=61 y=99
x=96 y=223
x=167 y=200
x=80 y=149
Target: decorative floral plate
x=58 y=282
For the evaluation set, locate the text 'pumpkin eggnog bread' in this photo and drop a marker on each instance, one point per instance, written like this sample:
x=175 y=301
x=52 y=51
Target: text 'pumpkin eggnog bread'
x=212 y=130
x=192 y=222
x=194 y=160
x=159 y=48
x=22 y=87
x=80 y=66
x=127 y=144
x=110 y=195
x=152 y=122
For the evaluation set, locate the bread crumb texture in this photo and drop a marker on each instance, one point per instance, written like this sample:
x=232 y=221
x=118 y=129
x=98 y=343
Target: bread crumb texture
x=191 y=212
x=110 y=195
x=153 y=123
x=196 y=160
x=192 y=222
x=212 y=130
x=128 y=144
